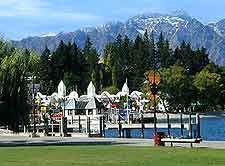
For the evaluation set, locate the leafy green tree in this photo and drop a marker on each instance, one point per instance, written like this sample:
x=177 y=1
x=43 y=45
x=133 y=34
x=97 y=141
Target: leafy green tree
x=108 y=63
x=14 y=72
x=176 y=88
x=5 y=49
x=116 y=60
x=209 y=84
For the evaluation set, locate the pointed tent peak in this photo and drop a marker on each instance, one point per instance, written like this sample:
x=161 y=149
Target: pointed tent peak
x=91 y=83
x=73 y=95
x=61 y=83
x=61 y=89
x=40 y=96
x=54 y=98
x=91 y=90
x=136 y=94
x=105 y=94
x=125 y=88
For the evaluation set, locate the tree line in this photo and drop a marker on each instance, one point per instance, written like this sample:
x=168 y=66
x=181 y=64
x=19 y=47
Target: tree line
x=69 y=63
x=189 y=80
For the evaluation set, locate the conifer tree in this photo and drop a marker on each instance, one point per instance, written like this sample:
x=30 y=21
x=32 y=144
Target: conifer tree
x=163 y=52
x=92 y=58
x=44 y=74
x=138 y=63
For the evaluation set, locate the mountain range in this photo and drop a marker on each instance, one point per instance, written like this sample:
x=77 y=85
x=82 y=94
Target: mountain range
x=176 y=27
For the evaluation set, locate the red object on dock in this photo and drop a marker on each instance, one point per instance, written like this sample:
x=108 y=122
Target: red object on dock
x=56 y=116
x=157 y=139
x=115 y=105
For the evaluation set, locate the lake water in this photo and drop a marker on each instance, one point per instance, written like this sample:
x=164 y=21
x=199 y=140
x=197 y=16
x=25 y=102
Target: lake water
x=212 y=129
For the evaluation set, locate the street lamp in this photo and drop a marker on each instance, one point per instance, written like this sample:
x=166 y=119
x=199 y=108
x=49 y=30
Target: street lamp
x=34 y=106
x=154 y=79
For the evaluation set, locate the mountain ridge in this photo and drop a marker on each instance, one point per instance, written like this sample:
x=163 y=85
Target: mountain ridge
x=176 y=27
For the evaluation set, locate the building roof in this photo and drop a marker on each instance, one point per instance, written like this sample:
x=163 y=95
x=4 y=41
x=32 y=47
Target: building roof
x=81 y=105
x=70 y=104
x=84 y=103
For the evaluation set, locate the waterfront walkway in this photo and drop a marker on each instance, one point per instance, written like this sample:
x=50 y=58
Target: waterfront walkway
x=43 y=141
x=28 y=141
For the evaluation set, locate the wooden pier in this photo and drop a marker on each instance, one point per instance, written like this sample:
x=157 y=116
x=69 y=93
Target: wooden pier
x=147 y=126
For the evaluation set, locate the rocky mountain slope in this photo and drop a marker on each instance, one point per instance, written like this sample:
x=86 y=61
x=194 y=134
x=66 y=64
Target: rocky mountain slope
x=176 y=27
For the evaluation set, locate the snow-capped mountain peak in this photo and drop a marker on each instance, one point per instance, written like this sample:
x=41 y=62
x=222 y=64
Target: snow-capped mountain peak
x=176 y=27
x=51 y=34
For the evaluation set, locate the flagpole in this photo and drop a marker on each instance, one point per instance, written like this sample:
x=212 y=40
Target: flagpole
x=128 y=114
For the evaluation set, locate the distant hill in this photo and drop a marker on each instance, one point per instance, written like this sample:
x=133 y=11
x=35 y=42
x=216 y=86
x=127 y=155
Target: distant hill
x=176 y=27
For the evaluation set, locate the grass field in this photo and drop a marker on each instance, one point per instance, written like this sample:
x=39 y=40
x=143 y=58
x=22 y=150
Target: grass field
x=110 y=156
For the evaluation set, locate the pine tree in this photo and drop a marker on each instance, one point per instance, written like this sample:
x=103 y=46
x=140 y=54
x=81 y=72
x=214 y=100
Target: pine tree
x=59 y=59
x=160 y=46
x=44 y=71
x=137 y=63
x=114 y=76
x=92 y=58
x=200 y=60
x=120 y=59
x=57 y=65
x=149 y=51
x=72 y=75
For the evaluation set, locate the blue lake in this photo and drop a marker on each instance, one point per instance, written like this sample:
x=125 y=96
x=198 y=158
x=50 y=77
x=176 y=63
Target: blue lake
x=212 y=129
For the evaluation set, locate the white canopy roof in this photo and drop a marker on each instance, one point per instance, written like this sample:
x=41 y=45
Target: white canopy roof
x=125 y=89
x=119 y=94
x=73 y=95
x=61 y=89
x=54 y=98
x=105 y=94
x=136 y=94
x=40 y=96
x=91 y=90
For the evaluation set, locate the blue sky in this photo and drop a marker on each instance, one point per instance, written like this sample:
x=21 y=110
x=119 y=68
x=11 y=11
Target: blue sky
x=22 y=18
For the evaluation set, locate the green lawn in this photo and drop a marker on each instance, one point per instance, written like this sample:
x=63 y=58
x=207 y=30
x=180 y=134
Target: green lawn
x=110 y=156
